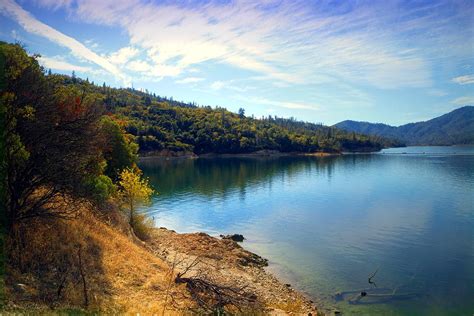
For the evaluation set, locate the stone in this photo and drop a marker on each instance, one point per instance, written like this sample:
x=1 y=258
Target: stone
x=234 y=237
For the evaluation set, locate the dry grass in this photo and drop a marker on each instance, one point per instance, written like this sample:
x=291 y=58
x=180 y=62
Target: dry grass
x=143 y=226
x=121 y=275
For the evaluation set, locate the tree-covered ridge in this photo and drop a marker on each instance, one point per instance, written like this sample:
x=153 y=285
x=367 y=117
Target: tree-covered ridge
x=160 y=123
x=453 y=128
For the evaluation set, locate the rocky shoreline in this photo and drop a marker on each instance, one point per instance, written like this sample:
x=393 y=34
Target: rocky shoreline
x=226 y=265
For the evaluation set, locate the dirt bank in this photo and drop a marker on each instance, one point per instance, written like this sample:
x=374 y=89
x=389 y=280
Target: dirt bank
x=226 y=264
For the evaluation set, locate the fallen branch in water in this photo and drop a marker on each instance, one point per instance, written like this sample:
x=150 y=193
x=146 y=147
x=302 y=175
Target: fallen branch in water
x=372 y=276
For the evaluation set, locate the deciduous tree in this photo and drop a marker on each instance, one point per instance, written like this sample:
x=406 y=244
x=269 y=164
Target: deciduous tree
x=134 y=192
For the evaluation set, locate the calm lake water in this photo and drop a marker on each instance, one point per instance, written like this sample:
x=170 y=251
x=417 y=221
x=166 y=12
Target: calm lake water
x=327 y=224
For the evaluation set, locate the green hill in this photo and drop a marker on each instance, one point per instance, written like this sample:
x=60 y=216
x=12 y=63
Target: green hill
x=163 y=124
x=453 y=128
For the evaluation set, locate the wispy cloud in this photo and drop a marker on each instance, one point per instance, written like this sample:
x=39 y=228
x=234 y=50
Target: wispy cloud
x=285 y=104
x=58 y=64
x=91 y=43
x=462 y=80
x=437 y=92
x=467 y=100
x=123 y=55
x=32 y=25
x=189 y=80
x=285 y=40
x=236 y=85
x=217 y=85
x=55 y=4
x=139 y=66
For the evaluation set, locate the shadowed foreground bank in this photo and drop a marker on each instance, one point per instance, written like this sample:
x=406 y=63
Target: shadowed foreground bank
x=94 y=263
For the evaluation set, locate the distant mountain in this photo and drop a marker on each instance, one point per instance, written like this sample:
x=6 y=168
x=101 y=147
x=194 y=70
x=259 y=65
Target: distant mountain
x=453 y=128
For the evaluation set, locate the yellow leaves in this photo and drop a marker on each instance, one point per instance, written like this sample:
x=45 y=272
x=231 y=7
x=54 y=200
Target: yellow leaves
x=134 y=189
x=134 y=192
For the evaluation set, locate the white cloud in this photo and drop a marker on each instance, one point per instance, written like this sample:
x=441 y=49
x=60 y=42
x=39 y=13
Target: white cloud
x=139 y=66
x=153 y=70
x=193 y=70
x=382 y=44
x=123 y=55
x=437 y=93
x=462 y=80
x=189 y=80
x=287 y=41
x=32 y=25
x=58 y=64
x=217 y=85
x=284 y=104
x=237 y=85
x=298 y=105
x=91 y=43
x=467 y=100
x=54 y=4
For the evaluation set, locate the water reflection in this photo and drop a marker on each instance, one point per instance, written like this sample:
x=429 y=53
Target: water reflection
x=209 y=178
x=327 y=223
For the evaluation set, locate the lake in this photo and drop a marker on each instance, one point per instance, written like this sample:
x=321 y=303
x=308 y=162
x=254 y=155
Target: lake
x=327 y=224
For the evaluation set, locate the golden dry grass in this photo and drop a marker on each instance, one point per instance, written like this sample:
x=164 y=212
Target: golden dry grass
x=122 y=275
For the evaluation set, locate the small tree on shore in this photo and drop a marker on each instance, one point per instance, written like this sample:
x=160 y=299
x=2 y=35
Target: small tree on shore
x=134 y=192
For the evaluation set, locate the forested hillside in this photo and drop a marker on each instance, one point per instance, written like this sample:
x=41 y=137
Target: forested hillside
x=454 y=128
x=159 y=123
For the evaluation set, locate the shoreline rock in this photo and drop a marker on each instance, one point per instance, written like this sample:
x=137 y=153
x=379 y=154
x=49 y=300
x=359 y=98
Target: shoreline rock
x=234 y=237
x=227 y=264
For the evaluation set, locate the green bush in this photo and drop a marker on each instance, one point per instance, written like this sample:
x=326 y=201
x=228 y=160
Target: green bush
x=102 y=188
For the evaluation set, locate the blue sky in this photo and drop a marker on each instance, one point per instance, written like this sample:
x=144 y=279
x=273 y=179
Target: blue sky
x=320 y=61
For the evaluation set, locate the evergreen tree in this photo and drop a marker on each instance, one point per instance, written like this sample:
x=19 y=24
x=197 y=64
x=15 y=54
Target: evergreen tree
x=241 y=113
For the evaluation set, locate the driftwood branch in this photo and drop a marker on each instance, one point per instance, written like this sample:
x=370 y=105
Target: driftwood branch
x=372 y=276
x=211 y=296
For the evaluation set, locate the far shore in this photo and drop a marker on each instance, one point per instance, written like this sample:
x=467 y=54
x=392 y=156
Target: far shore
x=169 y=154
x=261 y=153
x=271 y=153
